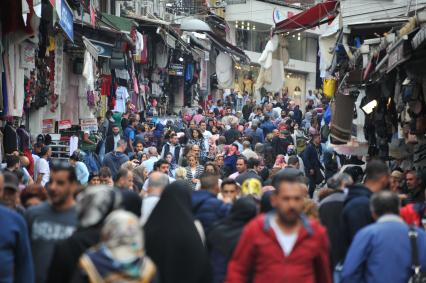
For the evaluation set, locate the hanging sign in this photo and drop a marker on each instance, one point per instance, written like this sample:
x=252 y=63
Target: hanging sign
x=47 y=126
x=59 y=63
x=64 y=124
x=176 y=70
x=277 y=16
x=67 y=20
x=90 y=125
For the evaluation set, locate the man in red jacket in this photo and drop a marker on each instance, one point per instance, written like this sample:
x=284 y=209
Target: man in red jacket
x=282 y=246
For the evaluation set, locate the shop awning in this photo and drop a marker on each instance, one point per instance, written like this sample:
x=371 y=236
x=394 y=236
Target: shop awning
x=227 y=47
x=318 y=14
x=123 y=24
x=98 y=48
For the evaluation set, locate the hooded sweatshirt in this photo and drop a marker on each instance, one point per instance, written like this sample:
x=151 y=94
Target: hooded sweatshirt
x=114 y=160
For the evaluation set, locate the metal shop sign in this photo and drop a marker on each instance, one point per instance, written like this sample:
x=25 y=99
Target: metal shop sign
x=67 y=20
x=90 y=125
x=176 y=70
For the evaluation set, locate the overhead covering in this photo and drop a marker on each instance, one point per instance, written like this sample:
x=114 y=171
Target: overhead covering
x=98 y=48
x=227 y=47
x=309 y=18
x=122 y=24
x=195 y=25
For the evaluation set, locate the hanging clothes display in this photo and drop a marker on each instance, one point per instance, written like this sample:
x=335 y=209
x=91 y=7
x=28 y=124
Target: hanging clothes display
x=156 y=89
x=161 y=56
x=224 y=70
x=144 y=53
x=122 y=97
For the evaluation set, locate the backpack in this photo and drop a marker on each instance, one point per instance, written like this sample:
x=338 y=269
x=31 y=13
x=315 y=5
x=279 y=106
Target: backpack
x=92 y=162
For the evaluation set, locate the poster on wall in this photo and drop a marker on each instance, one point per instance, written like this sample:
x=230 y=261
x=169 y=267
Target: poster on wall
x=27 y=55
x=48 y=126
x=64 y=124
x=90 y=125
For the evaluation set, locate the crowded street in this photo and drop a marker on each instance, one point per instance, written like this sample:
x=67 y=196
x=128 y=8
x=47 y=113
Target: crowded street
x=230 y=141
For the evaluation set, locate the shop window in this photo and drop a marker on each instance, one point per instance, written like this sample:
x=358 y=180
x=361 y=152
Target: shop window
x=252 y=40
x=297 y=46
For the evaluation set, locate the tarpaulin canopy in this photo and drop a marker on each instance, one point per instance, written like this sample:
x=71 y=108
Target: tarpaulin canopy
x=227 y=47
x=309 y=18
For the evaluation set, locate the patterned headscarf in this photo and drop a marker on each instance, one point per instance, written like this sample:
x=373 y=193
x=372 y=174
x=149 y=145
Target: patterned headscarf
x=123 y=237
x=95 y=203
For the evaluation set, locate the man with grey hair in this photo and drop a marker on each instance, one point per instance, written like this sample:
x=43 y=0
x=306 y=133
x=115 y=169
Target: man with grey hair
x=153 y=157
x=385 y=251
x=330 y=212
x=114 y=159
x=255 y=133
x=157 y=181
x=248 y=152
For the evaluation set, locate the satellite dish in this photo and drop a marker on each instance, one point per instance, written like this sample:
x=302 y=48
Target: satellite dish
x=277 y=16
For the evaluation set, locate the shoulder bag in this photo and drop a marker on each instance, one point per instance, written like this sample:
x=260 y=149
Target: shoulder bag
x=418 y=276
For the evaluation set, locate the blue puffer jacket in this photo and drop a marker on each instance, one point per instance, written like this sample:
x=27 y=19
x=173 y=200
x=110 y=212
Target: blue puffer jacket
x=208 y=209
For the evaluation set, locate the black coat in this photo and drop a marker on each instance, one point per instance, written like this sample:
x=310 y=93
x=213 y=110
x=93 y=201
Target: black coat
x=356 y=213
x=67 y=253
x=224 y=235
x=109 y=143
x=172 y=239
x=330 y=214
x=311 y=161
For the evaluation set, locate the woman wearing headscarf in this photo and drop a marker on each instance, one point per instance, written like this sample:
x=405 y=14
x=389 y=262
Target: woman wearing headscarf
x=120 y=257
x=93 y=206
x=173 y=241
x=224 y=235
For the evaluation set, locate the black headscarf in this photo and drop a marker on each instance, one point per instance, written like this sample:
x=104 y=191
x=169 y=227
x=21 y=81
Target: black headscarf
x=172 y=240
x=265 y=202
x=225 y=234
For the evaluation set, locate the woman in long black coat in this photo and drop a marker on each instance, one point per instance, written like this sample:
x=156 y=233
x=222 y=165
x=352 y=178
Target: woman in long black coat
x=173 y=241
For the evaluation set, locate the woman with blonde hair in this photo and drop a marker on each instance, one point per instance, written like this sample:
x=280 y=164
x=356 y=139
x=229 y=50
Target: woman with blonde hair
x=180 y=173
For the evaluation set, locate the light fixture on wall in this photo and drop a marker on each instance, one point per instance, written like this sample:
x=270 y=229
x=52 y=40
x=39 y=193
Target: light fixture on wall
x=180 y=59
x=298 y=36
x=254 y=27
x=369 y=107
x=236 y=24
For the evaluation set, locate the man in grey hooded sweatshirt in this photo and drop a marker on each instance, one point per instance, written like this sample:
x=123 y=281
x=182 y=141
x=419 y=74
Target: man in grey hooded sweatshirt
x=114 y=159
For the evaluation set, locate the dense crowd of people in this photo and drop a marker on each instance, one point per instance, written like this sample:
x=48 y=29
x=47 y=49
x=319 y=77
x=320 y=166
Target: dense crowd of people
x=227 y=193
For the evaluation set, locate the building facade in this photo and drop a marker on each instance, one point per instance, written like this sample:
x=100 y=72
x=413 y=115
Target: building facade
x=250 y=23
